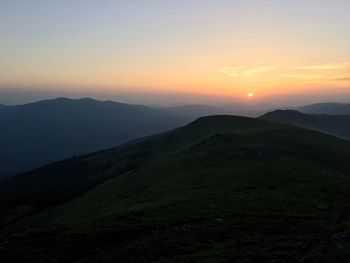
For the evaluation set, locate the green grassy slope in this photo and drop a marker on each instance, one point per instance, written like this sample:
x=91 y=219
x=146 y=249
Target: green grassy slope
x=221 y=189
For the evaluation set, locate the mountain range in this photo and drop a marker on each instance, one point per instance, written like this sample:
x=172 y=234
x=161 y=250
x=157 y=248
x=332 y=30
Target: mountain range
x=35 y=134
x=38 y=133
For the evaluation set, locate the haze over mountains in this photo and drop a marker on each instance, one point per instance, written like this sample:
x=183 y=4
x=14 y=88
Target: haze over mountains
x=35 y=134
x=332 y=108
x=46 y=131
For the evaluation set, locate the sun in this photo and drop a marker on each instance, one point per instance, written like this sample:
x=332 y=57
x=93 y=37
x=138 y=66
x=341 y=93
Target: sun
x=250 y=94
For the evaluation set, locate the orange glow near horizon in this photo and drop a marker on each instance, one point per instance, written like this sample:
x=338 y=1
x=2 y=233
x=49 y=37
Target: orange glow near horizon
x=236 y=80
x=224 y=48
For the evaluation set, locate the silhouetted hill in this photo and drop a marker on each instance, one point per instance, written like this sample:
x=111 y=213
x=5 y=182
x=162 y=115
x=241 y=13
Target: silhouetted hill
x=34 y=134
x=196 y=111
x=331 y=124
x=331 y=108
x=221 y=189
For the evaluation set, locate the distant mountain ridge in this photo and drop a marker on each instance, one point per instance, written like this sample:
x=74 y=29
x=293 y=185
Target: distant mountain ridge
x=331 y=108
x=337 y=125
x=37 y=133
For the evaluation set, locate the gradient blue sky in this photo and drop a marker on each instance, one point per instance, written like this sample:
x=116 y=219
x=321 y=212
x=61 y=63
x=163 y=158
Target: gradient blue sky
x=225 y=48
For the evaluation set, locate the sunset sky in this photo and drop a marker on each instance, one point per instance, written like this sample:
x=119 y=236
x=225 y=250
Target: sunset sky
x=228 y=48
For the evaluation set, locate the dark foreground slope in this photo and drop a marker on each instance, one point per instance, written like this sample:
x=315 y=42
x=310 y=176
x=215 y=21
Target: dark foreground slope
x=39 y=133
x=222 y=189
x=337 y=125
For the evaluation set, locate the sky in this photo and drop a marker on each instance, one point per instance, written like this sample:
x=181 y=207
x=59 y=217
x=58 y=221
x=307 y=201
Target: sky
x=166 y=51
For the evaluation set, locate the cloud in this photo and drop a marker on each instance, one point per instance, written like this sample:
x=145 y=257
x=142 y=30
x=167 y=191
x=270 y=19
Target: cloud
x=245 y=71
x=335 y=72
x=332 y=72
x=342 y=79
x=336 y=66
x=303 y=76
x=315 y=77
x=231 y=71
x=258 y=70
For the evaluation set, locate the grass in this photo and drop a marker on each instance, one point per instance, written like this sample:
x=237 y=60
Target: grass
x=223 y=189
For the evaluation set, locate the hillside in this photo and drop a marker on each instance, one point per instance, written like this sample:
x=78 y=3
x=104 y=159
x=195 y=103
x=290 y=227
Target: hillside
x=221 y=189
x=337 y=125
x=35 y=134
x=331 y=108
